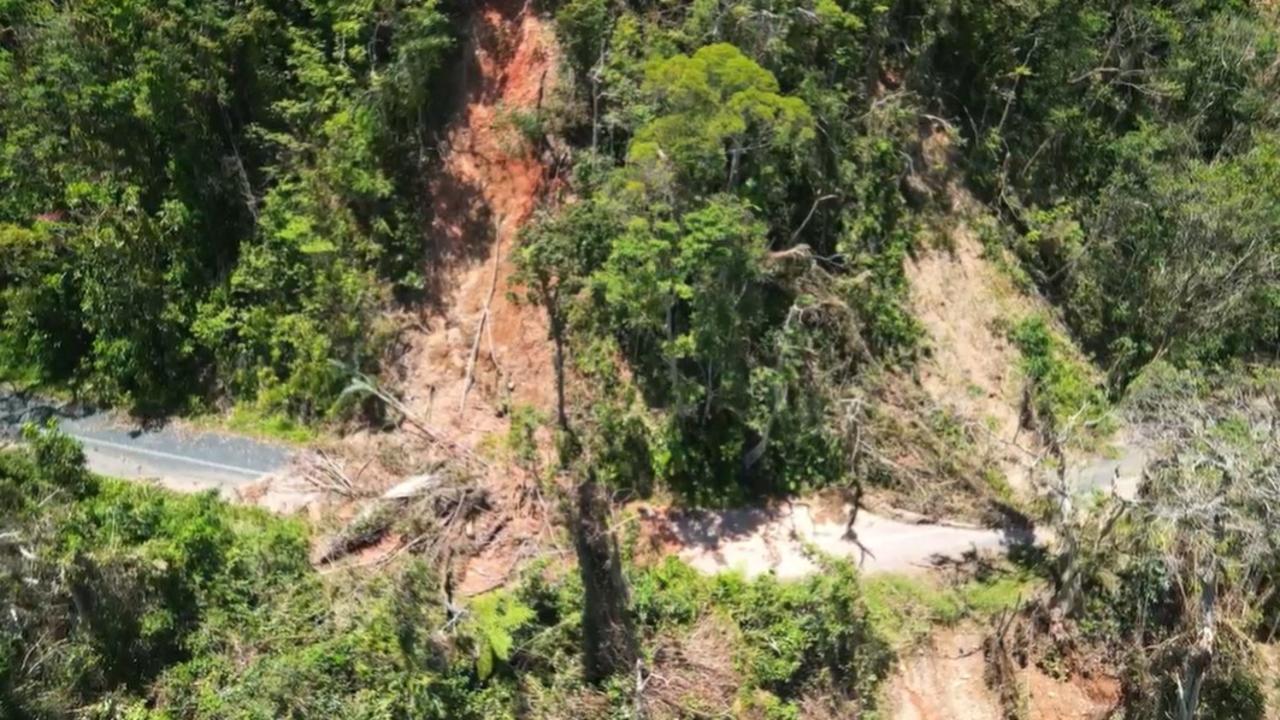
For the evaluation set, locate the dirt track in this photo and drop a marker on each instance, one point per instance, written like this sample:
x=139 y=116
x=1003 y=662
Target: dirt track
x=758 y=540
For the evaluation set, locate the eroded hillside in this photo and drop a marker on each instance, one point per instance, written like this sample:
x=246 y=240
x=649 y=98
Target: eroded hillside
x=889 y=360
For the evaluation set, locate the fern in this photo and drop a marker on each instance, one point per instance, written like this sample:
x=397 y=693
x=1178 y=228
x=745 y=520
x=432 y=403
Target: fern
x=494 y=617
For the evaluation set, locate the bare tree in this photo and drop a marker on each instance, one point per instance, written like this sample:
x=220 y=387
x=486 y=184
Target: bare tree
x=1081 y=533
x=1211 y=509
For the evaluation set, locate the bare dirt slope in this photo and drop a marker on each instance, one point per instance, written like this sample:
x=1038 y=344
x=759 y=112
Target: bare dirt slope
x=1076 y=699
x=488 y=185
x=966 y=304
x=943 y=681
x=946 y=680
x=482 y=350
x=476 y=349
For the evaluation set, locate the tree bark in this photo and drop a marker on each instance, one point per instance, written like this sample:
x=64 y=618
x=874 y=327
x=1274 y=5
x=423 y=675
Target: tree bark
x=1200 y=655
x=609 y=642
x=557 y=339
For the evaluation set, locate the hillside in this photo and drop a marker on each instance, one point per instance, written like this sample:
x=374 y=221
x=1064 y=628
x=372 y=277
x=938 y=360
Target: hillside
x=597 y=359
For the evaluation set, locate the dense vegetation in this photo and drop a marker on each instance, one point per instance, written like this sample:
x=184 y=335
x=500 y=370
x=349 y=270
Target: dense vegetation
x=1179 y=583
x=125 y=601
x=1132 y=149
x=750 y=176
x=738 y=238
x=212 y=203
x=209 y=200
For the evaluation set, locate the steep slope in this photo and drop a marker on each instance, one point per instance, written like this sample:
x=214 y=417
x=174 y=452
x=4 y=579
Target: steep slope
x=481 y=351
x=967 y=304
x=474 y=351
x=943 y=681
x=963 y=301
x=946 y=680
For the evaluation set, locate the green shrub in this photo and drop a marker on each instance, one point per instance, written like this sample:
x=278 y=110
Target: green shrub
x=521 y=440
x=670 y=593
x=58 y=460
x=905 y=609
x=1063 y=387
x=812 y=631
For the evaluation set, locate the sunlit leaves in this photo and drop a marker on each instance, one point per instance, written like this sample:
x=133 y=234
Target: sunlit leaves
x=717 y=110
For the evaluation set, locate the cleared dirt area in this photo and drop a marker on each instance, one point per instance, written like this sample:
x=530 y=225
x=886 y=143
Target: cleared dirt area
x=946 y=680
x=477 y=350
x=943 y=681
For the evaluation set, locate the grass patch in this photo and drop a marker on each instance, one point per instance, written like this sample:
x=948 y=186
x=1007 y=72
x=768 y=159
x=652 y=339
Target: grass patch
x=998 y=484
x=17 y=373
x=905 y=609
x=249 y=420
x=984 y=597
x=1065 y=386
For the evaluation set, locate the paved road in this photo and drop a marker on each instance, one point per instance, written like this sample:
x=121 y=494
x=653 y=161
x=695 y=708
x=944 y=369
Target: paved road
x=178 y=458
x=755 y=540
x=1121 y=473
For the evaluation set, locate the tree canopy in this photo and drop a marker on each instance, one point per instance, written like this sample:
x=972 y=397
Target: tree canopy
x=204 y=199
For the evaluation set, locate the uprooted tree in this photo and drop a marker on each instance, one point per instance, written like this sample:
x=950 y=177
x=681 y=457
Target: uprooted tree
x=1211 y=509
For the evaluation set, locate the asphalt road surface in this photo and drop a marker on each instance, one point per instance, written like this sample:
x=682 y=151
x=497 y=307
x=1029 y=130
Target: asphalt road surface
x=757 y=541
x=761 y=540
x=754 y=540
x=176 y=457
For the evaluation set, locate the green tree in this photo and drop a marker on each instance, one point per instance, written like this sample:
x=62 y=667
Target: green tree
x=493 y=618
x=224 y=193
x=715 y=111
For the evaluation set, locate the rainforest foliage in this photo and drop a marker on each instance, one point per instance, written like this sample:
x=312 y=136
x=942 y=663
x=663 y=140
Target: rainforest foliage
x=127 y=601
x=751 y=175
x=210 y=203
x=203 y=200
x=206 y=202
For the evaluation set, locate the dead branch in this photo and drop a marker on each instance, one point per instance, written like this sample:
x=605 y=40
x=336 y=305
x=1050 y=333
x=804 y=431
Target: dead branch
x=326 y=475
x=1002 y=674
x=432 y=507
x=363 y=384
x=812 y=209
x=484 y=316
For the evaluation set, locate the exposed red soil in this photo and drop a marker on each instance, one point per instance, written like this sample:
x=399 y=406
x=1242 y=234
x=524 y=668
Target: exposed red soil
x=475 y=349
x=1075 y=699
x=946 y=681
x=487 y=187
x=943 y=681
x=467 y=368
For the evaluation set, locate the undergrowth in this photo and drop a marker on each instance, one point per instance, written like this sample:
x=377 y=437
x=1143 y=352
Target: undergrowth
x=249 y=419
x=906 y=609
x=1064 y=389
x=143 y=603
x=147 y=604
